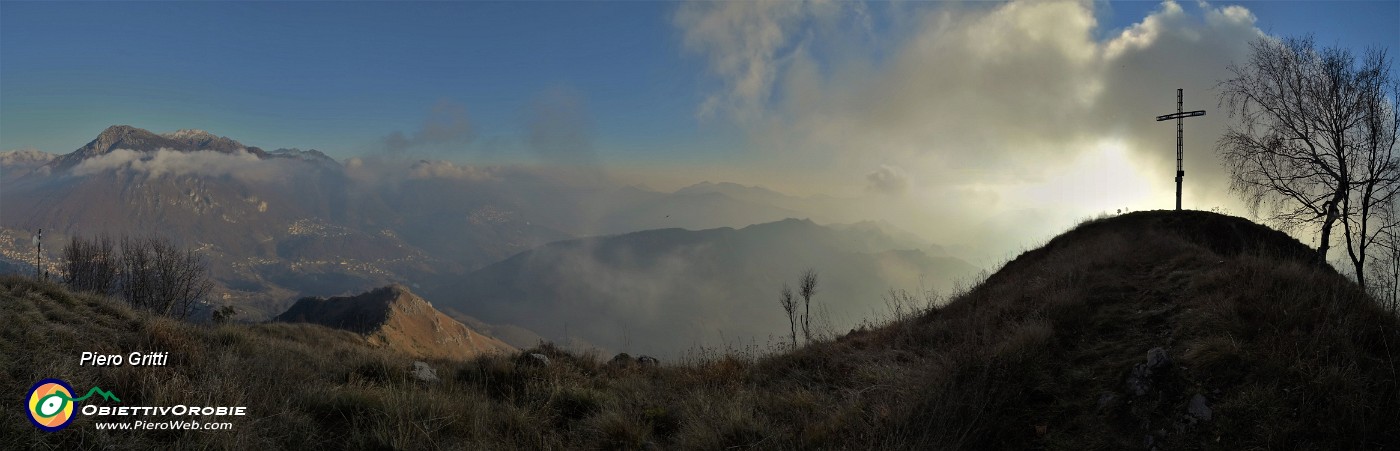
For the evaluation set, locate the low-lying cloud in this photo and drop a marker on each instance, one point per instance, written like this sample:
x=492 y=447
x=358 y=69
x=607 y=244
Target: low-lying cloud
x=240 y=164
x=21 y=162
x=376 y=171
x=430 y=169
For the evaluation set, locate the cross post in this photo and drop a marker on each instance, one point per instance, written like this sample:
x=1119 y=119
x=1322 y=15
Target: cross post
x=1179 y=116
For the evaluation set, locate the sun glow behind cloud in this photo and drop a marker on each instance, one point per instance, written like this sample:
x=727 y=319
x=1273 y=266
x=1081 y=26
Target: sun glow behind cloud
x=1107 y=178
x=1018 y=117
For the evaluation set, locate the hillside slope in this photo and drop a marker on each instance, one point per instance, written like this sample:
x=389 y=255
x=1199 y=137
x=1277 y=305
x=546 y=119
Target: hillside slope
x=395 y=318
x=1164 y=330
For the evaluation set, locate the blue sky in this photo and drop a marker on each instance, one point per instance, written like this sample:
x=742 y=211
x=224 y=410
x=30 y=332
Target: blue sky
x=337 y=76
x=1348 y=23
x=340 y=76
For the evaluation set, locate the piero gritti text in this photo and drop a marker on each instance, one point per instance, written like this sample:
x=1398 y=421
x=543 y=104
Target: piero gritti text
x=137 y=358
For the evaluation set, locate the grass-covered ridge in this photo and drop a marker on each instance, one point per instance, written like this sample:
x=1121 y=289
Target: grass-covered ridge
x=1284 y=354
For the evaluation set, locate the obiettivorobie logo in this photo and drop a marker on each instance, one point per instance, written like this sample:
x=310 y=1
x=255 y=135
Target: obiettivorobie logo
x=51 y=403
x=52 y=408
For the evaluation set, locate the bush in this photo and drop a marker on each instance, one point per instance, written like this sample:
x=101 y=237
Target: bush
x=151 y=274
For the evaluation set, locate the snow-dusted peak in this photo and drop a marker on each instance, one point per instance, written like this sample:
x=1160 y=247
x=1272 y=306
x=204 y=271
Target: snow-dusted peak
x=189 y=133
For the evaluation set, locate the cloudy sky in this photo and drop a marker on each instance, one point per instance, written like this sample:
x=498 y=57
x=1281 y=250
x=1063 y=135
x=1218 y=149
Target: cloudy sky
x=984 y=114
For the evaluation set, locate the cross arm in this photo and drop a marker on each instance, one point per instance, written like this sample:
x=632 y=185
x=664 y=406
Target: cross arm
x=1181 y=115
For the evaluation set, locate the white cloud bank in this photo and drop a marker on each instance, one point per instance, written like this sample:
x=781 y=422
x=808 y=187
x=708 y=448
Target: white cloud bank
x=987 y=111
x=21 y=162
x=242 y=165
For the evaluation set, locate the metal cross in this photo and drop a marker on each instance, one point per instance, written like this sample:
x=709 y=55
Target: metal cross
x=1179 y=116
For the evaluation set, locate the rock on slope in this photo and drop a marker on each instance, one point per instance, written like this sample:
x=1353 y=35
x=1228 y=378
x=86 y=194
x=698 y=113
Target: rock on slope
x=395 y=318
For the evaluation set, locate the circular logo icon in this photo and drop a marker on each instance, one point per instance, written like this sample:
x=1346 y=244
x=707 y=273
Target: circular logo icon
x=51 y=405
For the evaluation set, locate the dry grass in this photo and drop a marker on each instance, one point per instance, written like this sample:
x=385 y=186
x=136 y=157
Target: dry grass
x=1288 y=355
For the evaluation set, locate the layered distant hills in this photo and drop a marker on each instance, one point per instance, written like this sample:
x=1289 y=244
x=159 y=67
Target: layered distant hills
x=280 y=225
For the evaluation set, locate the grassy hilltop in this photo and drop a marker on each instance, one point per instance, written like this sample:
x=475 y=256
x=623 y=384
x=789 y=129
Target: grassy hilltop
x=1168 y=329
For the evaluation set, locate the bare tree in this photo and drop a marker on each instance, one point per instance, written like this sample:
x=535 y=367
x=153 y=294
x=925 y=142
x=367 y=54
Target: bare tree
x=136 y=280
x=185 y=280
x=1315 y=139
x=1385 y=276
x=1372 y=203
x=90 y=265
x=158 y=276
x=790 y=306
x=807 y=287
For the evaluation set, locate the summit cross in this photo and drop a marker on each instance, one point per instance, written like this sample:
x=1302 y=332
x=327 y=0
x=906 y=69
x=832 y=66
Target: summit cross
x=1179 y=116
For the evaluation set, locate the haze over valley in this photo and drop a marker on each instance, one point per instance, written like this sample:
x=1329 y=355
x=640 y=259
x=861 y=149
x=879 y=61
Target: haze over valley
x=519 y=246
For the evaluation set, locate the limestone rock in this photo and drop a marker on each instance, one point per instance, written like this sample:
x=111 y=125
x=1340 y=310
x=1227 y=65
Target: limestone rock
x=424 y=373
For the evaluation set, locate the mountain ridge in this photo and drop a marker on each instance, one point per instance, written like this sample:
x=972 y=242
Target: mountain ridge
x=142 y=140
x=395 y=318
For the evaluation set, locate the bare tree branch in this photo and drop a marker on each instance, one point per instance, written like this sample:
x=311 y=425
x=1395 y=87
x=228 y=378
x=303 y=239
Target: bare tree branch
x=1314 y=142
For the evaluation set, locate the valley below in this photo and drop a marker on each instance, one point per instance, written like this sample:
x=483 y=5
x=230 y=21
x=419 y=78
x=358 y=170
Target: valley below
x=539 y=254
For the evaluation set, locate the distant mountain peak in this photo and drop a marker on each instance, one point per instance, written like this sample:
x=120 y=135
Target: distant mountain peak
x=118 y=130
x=109 y=137
x=142 y=140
